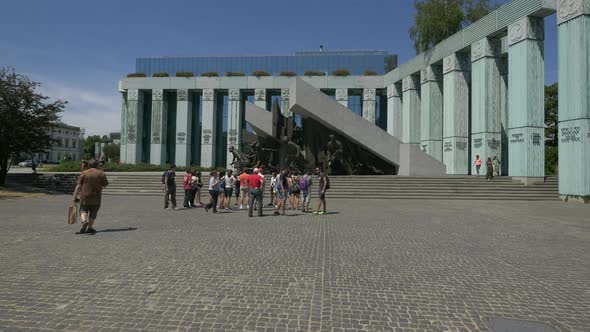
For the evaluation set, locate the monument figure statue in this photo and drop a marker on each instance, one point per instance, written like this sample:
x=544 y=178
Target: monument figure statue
x=239 y=160
x=337 y=157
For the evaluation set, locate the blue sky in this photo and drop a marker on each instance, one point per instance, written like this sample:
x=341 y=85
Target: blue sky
x=80 y=49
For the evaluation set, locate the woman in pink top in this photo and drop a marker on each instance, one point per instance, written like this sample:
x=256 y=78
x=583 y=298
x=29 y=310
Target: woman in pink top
x=477 y=164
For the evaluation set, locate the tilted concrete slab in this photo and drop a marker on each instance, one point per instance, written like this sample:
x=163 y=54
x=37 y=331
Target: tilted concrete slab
x=310 y=102
x=260 y=120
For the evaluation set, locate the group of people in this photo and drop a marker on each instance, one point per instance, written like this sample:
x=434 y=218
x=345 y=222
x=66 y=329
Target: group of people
x=287 y=190
x=492 y=167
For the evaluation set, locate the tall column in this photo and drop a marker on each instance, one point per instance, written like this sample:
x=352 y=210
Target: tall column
x=184 y=118
x=134 y=123
x=285 y=104
x=159 y=136
x=504 y=115
x=456 y=71
x=411 y=109
x=234 y=123
x=342 y=96
x=123 y=149
x=394 y=110
x=485 y=100
x=526 y=100
x=573 y=19
x=260 y=98
x=208 y=123
x=431 y=111
x=369 y=105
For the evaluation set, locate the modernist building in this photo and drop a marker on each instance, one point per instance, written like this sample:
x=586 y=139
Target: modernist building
x=480 y=92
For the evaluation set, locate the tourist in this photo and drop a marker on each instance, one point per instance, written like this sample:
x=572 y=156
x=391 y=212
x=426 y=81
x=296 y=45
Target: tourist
x=489 y=169
x=477 y=164
x=323 y=186
x=221 y=188
x=90 y=184
x=295 y=192
x=289 y=191
x=244 y=188
x=263 y=186
x=229 y=189
x=188 y=187
x=197 y=185
x=273 y=181
x=305 y=186
x=282 y=185
x=34 y=166
x=170 y=187
x=84 y=165
x=256 y=184
x=237 y=189
x=496 y=164
x=213 y=191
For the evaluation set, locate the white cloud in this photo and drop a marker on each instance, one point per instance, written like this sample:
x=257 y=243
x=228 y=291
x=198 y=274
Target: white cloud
x=98 y=112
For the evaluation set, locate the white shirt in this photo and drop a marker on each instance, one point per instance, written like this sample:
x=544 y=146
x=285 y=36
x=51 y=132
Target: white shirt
x=229 y=181
x=212 y=181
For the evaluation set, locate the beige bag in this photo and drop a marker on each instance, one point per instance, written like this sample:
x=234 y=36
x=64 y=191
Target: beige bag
x=73 y=213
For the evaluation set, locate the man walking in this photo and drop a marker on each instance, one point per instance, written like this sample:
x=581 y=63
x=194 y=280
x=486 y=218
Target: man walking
x=170 y=187
x=90 y=184
x=323 y=184
x=255 y=181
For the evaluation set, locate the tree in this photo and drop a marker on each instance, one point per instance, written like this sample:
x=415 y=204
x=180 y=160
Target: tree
x=88 y=145
x=551 y=119
x=437 y=20
x=112 y=152
x=26 y=118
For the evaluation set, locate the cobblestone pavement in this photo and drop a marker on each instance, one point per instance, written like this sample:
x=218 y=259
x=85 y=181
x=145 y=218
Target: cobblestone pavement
x=370 y=265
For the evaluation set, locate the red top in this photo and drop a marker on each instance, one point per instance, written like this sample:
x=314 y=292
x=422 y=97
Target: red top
x=187 y=181
x=244 y=180
x=255 y=181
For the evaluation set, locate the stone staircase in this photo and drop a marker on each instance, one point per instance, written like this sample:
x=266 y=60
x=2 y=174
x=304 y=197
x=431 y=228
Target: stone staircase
x=380 y=187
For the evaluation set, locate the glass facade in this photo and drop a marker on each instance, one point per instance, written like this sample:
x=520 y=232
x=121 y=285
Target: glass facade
x=357 y=62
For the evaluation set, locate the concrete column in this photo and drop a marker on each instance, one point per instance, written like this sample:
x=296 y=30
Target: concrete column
x=184 y=118
x=369 y=105
x=485 y=100
x=431 y=111
x=260 y=98
x=123 y=146
x=208 y=123
x=394 y=110
x=411 y=109
x=285 y=105
x=234 y=123
x=342 y=96
x=456 y=77
x=573 y=19
x=134 y=123
x=159 y=136
x=526 y=100
x=504 y=115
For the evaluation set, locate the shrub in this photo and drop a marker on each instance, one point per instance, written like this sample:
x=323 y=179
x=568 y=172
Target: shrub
x=184 y=74
x=288 y=73
x=370 y=73
x=74 y=166
x=137 y=75
x=341 y=72
x=551 y=159
x=314 y=73
x=234 y=73
x=210 y=74
x=162 y=74
x=259 y=73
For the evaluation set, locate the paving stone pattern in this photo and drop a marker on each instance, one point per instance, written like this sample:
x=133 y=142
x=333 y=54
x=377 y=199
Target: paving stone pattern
x=370 y=265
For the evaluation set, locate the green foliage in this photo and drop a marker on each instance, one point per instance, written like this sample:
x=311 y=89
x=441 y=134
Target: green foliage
x=288 y=73
x=551 y=160
x=234 y=74
x=162 y=74
x=437 y=20
x=551 y=115
x=210 y=74
x=75 y=166
x=112 y=152
x=259 y=73
x=26 y=118
x=185 y=74
x=137 y=75
x=314 y=73
x=88 y=145
x=370 y=73
x=341 y=72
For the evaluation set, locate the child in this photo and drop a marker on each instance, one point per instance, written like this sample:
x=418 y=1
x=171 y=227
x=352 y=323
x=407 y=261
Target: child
x=477 y=164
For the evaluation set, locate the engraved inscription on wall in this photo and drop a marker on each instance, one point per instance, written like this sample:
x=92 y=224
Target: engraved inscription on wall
x=461 y=146
x=571 y=134
x=536 y=137
x=517 y=138
x=448 y=147
x=477 y=143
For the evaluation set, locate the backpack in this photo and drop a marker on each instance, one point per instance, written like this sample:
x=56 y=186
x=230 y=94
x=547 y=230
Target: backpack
x=303 y=184
x=295 y=188
x=327 y=182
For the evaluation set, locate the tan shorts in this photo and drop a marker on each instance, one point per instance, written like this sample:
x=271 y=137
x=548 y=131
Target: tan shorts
x=245 y=190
